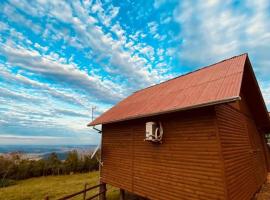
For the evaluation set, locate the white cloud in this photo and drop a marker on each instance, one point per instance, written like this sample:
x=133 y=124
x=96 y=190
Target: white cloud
x=266 y=92
x=114 y=11
x=46 y=115
x=97 y=7
x=104 y=47
x=15 y=96
x=61 y=94
x=33 y=139
x=3 y=26
x=153 y=27
x=158 y=3
x=20 y=19
x=66 y=73
x=39 y=47
x=214 y=30
x=166 y=20
x=116 y=63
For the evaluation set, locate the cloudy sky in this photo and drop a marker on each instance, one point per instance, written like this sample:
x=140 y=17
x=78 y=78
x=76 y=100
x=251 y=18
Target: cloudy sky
x=58 y=59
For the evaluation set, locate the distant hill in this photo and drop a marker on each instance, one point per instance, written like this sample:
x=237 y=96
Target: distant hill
x=36 y=152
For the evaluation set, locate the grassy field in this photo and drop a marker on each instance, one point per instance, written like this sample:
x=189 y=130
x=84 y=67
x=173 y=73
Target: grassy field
x=54 y=187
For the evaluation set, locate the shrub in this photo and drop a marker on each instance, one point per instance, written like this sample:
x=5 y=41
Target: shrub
x=6 y=182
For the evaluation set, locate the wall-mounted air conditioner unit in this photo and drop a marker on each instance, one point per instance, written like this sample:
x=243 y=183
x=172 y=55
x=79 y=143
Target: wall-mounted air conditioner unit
x=154 y=132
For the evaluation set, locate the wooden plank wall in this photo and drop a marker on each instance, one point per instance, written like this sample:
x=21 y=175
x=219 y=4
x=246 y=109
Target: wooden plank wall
x=258 y=152
x=257 y=140
x=117 y=151
x=188 y=165
x=267 y=153
x=244 y=167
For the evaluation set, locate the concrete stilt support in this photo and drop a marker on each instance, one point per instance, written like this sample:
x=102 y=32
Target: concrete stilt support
x=101 y=189
x=122 y=194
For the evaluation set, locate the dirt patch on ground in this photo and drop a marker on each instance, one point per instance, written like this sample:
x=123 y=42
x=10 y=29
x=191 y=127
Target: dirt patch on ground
x=264 y=193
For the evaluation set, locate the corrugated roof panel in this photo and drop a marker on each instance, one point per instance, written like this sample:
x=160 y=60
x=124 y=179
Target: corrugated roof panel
x=220 y=81
x=219 y=73
x=185 y=82
x=231 y=85
x=236 y=66
x=211 y=91
x=204 y=77
x=180 y=99
x=193 y=94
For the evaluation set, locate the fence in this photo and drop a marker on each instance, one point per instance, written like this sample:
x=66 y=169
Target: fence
x=84 y=192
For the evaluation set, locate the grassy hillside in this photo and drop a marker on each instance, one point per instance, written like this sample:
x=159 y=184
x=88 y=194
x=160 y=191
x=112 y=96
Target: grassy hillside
x=53 y=186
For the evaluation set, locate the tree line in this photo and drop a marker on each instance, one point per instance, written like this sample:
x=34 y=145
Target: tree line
x=16 y=168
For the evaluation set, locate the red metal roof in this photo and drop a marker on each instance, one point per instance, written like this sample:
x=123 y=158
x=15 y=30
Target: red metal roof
x=210 y=85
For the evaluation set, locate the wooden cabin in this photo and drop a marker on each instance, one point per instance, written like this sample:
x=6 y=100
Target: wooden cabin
x=197 y=136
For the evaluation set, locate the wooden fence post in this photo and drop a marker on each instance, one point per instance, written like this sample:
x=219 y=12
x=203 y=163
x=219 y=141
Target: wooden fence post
x=122 y=194
x=84 y=193
x=102 y=188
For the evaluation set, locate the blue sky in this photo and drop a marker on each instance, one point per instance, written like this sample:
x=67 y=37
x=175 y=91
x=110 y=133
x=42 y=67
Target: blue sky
x=58 y=59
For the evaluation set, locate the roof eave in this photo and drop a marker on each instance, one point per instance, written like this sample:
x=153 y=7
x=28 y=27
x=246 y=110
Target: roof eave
x=210 y=103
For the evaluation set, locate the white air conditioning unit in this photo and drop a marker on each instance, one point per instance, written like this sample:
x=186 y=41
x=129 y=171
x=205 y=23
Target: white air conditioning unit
x=153 y=132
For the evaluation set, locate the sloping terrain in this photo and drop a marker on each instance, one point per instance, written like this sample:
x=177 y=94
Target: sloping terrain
x=54 y=187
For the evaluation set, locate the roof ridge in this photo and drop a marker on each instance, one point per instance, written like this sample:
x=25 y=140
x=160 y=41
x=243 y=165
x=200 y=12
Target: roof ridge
x=202 y=68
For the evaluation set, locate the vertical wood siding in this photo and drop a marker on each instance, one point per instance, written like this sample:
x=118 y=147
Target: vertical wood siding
x=241 y=148
x=186 y=166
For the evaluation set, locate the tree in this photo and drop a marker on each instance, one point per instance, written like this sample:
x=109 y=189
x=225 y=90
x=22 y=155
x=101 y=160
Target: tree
x=24 y=170
x=53 y=164
x=38 y=168
x=72 y=161
x=16 y=167
x=90 y=164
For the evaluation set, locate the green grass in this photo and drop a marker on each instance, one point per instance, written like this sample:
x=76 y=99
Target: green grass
x=54 y=187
